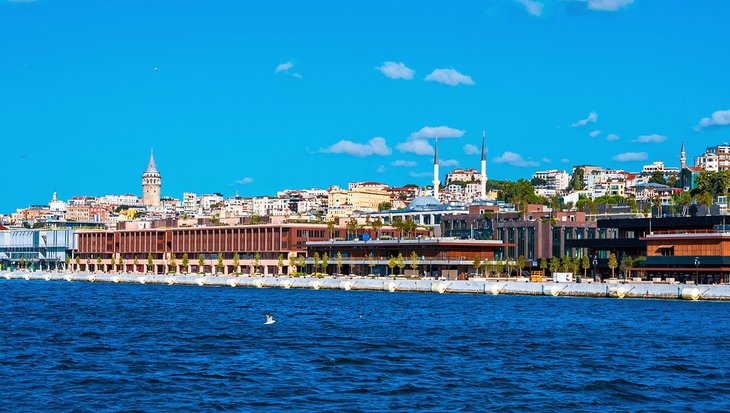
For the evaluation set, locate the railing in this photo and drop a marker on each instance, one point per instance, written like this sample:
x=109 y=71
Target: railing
x=691 y=231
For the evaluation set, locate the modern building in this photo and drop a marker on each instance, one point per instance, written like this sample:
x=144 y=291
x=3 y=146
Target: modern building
x=151 y=184
x=424 y=210
x=715 y=158
x=36 y=248
x=698 y=255
x=434 y=257
x=554 y=179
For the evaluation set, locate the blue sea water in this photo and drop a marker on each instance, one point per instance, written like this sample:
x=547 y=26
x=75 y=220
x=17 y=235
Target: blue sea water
x=128 y=347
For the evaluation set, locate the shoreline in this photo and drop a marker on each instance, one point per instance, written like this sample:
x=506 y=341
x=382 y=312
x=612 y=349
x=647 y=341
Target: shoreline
x=603 y=290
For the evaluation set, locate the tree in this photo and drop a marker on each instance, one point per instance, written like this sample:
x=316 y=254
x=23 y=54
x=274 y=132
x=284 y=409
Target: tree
x=280 y=264
x=201 y=263
x=521 y=192
x=398 y=225
x=566 y=264
x=300 y=263
x=576 y=180
x=554 y=264
x=538 y=182
x=331 y=229
x=256 y=262
x=682 y=199
x=477 y=263
x=585 y=263
x=521 y=263
x=67 y=261
x=111 y=263
x=339 y=262
x=715 y=183
x=371 y=262
x=173 y=260
x=401 y=263
x=219 y=264
x=631 y=202
x=623 y=265
x=236 y=262
x=315 y=261
x=352 y=227
x=185 y=262
x=120 y=262
x=543 y=265
x=292 y=263
x=384 y=206
x=612 y=263
x=657 y=177
x=414 y=261
x=149 y=262
x=98 y=263
x=705 y=199
x=392 y=264
x=657 y=203
x=325 y=262
x=647 y=209
x=377 y=226
x=135 y=262
x=576 y=265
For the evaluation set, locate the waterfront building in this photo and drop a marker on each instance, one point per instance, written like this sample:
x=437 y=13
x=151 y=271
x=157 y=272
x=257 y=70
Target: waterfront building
x=696 y=254
x=151 y=183
x=434 y=257
x=38 y=249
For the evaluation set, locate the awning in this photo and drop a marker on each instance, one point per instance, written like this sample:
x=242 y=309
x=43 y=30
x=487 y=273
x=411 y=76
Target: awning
x=666 y=246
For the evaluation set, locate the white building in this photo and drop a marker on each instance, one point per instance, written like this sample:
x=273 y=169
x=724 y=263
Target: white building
x=190 y=203
x=554 y=179
x=207 y=201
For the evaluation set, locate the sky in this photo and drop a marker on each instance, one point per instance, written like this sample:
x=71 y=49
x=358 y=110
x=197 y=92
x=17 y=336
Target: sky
x=261 y=96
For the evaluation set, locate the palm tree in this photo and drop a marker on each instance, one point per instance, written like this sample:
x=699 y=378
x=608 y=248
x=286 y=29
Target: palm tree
x=352 y=227
x=331 y=228
x=377 y=226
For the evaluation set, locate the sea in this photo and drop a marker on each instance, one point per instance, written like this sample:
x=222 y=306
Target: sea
x=91 y=347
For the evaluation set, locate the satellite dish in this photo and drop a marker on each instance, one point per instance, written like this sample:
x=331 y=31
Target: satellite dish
x=366 y=237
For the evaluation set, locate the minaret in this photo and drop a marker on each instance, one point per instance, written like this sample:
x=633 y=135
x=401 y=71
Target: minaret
x=436 y=170
x=151 y=183
x=682 y=157
x=484 y=167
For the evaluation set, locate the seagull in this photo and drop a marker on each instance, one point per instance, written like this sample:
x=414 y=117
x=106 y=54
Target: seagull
x=269 y=319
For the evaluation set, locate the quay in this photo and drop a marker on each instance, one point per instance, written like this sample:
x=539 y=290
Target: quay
x=605 y=290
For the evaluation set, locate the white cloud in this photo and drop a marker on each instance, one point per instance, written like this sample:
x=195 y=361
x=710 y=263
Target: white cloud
x=244 y=181
x=630 y=157
x=448 y=162
x=297 y=75
x=594 y=133
x=381 y=169
x=417 y=146
x=376 y=146
x=532 y=7
x=608 y=5
x=395 y=70
x=434 y=131
x=612 y=137
x=401 y=162
x=546 y=160
x=565 y=160
x=283 y=67
x=653 y=138
x=592 y=118
x=419 y=174
x=470 y=149
x=449 y=77
x=514 y=159
x=718 y=118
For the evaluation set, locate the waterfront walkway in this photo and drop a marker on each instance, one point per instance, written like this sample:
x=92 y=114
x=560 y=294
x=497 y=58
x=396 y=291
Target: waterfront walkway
x=613 y=290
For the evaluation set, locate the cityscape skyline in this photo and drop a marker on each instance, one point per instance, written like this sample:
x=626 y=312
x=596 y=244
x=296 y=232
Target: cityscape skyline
x=258 y=103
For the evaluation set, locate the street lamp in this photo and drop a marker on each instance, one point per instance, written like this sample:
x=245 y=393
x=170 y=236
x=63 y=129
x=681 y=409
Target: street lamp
x=595 y=264
x=697 y=270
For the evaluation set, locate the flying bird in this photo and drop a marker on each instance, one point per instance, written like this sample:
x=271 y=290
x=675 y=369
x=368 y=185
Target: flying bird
x=269 y=319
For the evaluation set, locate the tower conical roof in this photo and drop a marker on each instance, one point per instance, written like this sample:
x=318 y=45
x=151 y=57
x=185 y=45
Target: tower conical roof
x=151 y=167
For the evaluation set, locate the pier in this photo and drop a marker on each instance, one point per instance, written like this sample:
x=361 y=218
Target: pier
x=605 y=290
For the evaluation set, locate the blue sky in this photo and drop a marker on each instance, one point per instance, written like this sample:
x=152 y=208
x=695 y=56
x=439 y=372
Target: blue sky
x=259 y=96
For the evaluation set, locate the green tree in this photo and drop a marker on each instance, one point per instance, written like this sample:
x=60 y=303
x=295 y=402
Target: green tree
x=612 y=264
x=352 y=227
x=173 y=260
x=401 y=263
x=575 y=263
x=476 y=263
x=657 y=177
x=292 y=263
x=201 y=263
x=150 y=262
x=236 y=262
x=715 y=183
x=219 y=264
x=554 y=264
x=301 y=261
x=67 y=261
x=683 y=200
x=185 y=262
x=256 y=262
x=384 y=206
x=135 y=262
x=657 y=203
x=576 y=180
x=566 y=264
x=647 y=209
x=111 y=263
x=399 y=226
x=377 y=226
x=705 y=198
x=120 y=262
x=521 y=192
x=521 y=263
x=585 y=263
x=325 y=262
x=331 y=229
x=392 y=264
x=339 y=262
x=543 y=265
x=631 y=202
x=280 y=264
x=315 y=262
x=98 y=263
x=371 y=262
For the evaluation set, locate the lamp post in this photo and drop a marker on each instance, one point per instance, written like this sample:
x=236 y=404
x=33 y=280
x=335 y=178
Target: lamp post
x=697 y=270
x=595 y=264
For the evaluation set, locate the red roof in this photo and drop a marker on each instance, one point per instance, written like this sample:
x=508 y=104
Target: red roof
x=695 y=168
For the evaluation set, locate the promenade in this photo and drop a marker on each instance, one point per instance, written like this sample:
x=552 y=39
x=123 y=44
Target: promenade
x=604 y=290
